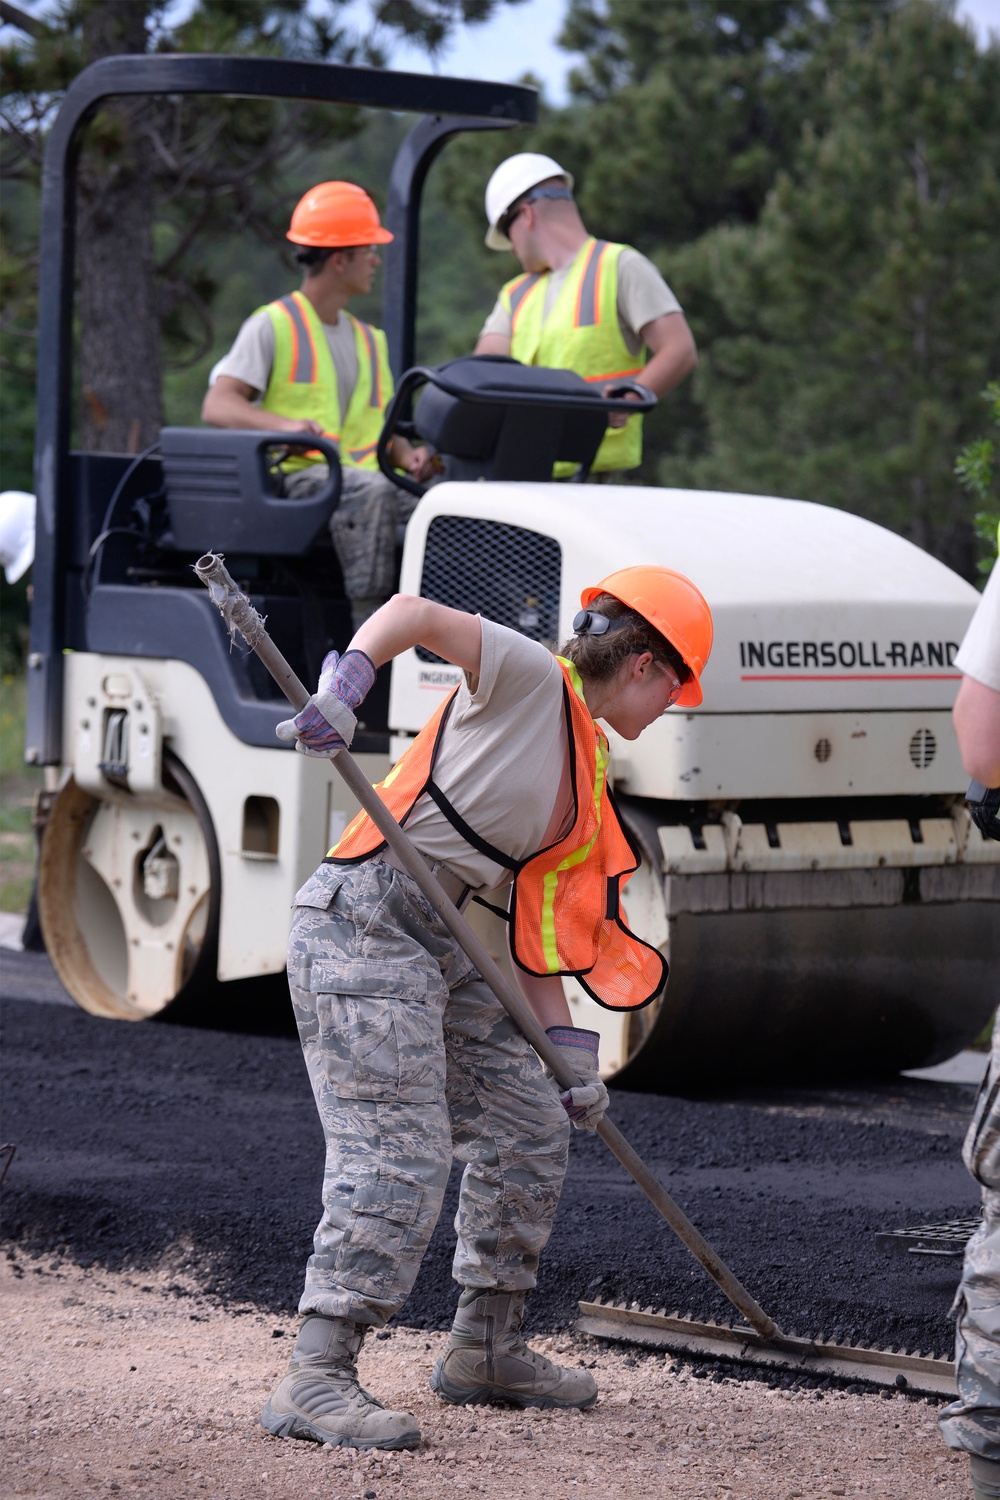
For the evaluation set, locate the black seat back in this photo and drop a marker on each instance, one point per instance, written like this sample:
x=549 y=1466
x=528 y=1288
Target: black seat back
x=221 y=494
x=495 y=418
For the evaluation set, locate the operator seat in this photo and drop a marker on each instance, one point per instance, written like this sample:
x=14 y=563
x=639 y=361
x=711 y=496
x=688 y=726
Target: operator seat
x=221 y=496
x=494 y=418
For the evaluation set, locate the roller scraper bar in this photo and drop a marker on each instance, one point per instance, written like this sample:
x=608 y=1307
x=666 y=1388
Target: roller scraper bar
x=662 y=1330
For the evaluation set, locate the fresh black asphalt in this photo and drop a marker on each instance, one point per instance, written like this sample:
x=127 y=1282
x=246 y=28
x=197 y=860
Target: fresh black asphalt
x=136 y=1139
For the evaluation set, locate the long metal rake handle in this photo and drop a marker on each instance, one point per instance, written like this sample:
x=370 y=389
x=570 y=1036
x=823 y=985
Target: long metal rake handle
x=240 y=615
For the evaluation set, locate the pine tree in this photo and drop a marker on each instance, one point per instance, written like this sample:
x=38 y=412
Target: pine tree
x=162 y=180
x=680 y=118
x=977 y=469
x=851 y=328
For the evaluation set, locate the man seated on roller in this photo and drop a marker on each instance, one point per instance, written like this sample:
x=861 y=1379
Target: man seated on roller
x=304 y=364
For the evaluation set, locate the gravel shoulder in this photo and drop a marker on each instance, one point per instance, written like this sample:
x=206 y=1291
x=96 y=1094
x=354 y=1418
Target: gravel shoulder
x=135 y=1385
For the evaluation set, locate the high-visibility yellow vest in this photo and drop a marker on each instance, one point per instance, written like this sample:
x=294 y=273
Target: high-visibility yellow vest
x=565 y=907
x=303 y=381
x=581 y=333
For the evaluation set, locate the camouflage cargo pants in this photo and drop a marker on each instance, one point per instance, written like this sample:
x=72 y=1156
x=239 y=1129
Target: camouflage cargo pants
x=412 y=1061
x=363 y=527
x=973 y=1421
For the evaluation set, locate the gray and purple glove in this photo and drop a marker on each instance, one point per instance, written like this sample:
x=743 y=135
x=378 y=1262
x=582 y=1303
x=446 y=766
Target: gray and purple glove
x=328 y=721
x=586 y=1104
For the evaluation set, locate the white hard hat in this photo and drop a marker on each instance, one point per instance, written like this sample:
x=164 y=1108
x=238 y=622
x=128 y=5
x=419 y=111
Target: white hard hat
x=512 y=178
x=17 y=533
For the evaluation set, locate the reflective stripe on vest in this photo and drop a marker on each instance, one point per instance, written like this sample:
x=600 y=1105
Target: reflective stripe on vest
x=368 y=334
x=565 y=908
x=303 y=381
x=303 y=360
x=581 y=333
x=518 y=292
x=587 y=312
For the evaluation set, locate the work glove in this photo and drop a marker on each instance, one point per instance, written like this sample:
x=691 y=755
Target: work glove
x=984 y=807
x=328 y=721
x=585 y=1104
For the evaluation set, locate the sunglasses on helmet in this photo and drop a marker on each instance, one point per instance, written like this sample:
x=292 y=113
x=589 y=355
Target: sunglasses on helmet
x=562 y=194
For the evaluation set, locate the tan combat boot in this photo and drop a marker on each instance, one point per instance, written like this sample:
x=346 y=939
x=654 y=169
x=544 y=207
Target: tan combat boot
x=320 y=1397
x=488 y=1360
x=985 y=1476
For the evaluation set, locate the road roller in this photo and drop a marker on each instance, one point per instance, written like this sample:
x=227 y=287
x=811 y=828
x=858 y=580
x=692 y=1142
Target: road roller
x=809 y=868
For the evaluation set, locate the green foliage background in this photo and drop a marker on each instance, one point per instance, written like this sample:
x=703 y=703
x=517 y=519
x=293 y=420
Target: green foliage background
x=821 y=187
x=977 y=469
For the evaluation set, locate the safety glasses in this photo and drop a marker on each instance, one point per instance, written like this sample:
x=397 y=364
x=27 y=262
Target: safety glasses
x=508 y=219
x=562 y=194
x=676 y=684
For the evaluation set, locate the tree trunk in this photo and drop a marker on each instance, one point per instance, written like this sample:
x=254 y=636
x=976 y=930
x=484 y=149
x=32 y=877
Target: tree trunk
x=119 y=328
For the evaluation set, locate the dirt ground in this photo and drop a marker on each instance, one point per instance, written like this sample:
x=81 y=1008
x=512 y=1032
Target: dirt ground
x=135 y=1386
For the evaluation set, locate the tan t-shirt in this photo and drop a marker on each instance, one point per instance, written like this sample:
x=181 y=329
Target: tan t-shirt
x=252 y=356
x=642 y=296
x=503 y=762
x=979 y=654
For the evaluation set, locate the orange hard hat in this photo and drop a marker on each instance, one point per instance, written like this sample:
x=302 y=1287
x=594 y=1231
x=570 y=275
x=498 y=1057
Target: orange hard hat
x=335 y=214
x=672 y=604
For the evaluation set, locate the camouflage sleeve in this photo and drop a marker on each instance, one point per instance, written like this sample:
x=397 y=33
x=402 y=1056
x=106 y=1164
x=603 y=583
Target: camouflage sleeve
x=981 y=1151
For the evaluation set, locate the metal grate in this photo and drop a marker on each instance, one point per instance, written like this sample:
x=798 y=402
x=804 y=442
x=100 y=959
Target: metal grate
x=949 y=1238
x=507 y=573
x=923 y=748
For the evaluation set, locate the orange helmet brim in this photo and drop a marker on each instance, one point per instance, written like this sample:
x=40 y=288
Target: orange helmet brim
x=377 y=236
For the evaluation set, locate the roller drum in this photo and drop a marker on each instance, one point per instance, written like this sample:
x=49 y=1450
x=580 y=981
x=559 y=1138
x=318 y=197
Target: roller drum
x=803 y=994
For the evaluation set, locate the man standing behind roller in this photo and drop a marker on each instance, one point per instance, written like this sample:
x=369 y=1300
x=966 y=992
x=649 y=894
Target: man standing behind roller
x=582 y=304
x=304 y=364
x=972 y=1423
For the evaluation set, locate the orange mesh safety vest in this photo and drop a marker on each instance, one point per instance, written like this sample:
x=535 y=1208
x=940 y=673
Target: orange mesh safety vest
x=565 y=907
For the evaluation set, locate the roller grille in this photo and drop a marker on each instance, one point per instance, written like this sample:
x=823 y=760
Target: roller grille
x=507 y=573
x=923 y=748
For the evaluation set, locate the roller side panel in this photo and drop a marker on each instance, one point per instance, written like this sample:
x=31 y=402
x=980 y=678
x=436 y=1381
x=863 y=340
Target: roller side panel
x=271 y=815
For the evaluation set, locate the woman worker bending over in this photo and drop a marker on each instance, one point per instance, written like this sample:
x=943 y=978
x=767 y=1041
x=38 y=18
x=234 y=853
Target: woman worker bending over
x=412 y=1059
